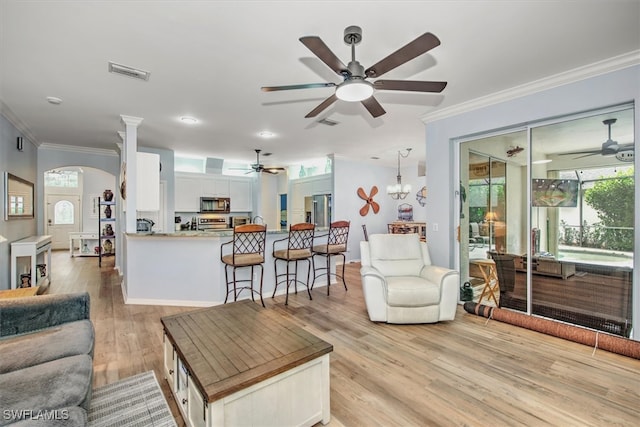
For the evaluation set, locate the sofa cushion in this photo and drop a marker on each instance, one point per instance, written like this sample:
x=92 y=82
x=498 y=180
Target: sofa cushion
x=396 y=254
x=73 y=416
x=409 y=291
x=57 y=384
x=31 y=349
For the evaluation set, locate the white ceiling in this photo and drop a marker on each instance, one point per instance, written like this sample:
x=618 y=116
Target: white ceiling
x=208 y=59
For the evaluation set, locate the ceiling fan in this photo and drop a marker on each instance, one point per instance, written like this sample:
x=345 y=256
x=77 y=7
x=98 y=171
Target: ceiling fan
x=355 y=87
x=610 y=147
x=259 y=167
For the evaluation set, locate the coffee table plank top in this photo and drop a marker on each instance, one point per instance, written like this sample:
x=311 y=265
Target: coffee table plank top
x=230 y=347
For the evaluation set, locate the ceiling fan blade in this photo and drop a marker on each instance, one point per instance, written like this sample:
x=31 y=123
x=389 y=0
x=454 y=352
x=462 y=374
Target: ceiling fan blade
x=362 y=194
x=301 y=86
x=317 y=46
x=375 y=206
x=373 y=106
x=330 y=100
x=374 y=191
x=409 y=85
x=587 y=155
x=364 y=210
x=588 y=152
x=422 y=44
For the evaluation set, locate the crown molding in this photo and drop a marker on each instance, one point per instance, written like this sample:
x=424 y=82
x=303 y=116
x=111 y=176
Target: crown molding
x=78 y=149
x=18 y=124
x=581 y=73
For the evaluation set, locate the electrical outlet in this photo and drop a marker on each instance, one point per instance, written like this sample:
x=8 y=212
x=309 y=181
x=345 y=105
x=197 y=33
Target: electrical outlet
x=435 y=226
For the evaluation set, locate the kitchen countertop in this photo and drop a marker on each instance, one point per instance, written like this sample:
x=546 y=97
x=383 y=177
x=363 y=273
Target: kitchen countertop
x=198 y=233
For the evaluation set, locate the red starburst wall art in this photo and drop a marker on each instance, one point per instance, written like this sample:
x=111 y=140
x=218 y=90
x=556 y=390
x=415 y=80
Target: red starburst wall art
x=369 y=199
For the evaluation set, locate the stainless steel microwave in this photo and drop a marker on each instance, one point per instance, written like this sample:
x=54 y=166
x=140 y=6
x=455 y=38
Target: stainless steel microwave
x=215 y=205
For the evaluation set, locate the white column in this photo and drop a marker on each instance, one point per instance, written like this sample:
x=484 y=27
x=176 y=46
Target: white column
x=129 y=157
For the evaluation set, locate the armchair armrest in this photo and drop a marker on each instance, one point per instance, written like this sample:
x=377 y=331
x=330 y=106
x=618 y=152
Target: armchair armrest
x=21 y=315
x=449 y=282
x=436 y=274
x=374 y=289
x=366 y=271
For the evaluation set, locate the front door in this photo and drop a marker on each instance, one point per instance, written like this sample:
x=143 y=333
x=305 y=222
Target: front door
x=62 y=217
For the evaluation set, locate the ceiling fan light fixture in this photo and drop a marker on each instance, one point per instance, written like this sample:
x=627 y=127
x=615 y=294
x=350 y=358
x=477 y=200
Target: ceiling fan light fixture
x=354 y=90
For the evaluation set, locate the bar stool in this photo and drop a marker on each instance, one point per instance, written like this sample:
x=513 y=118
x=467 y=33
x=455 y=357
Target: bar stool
x=335 y=245
x=299 y=244
x=247 y=250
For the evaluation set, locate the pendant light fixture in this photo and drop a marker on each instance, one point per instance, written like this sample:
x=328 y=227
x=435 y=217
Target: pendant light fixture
x=398 y=191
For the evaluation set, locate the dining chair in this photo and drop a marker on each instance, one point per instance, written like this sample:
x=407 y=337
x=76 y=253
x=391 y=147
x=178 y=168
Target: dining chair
x=299 y=245
x=334 y=245
x=245 y=250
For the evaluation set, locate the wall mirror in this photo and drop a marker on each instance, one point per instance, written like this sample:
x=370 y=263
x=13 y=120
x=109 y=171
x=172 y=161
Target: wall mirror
x=19 y=196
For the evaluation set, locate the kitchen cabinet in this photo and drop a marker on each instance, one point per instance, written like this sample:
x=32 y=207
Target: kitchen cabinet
x=323 y=184
x=241 y=195
x=215 y=187
x=188 y=190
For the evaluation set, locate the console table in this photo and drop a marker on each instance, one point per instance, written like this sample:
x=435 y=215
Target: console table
x=31 y=247
x=241 y=364
x=82 y=236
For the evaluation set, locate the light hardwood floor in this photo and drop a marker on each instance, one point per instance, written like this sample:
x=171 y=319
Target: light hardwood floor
x=468 y=372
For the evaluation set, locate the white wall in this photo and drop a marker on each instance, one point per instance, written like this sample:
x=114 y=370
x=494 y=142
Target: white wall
x=348 y=177
x=23 y=165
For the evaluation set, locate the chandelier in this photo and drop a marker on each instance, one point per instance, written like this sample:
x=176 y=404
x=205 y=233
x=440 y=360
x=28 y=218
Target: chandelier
x=399 y=191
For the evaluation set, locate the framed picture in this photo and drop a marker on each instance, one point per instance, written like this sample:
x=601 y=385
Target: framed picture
x=94 y=205
x=19 y=198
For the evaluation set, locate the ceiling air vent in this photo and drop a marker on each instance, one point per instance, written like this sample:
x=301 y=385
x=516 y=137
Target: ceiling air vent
x=128 y=71
x=328 y=122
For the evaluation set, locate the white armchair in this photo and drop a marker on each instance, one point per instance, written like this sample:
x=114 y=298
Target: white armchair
x=401 y=286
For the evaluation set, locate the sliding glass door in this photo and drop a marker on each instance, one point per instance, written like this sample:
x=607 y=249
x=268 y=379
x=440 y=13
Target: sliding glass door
x=552 y=207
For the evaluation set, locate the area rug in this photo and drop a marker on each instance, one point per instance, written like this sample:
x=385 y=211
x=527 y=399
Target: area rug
x=136 y=401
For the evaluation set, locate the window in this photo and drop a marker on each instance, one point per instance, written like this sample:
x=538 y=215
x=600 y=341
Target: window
x=63 y=213
x=63 y=178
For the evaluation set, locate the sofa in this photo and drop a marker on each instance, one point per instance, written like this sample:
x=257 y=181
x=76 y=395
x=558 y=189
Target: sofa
x=46 y=360
x=400 y=285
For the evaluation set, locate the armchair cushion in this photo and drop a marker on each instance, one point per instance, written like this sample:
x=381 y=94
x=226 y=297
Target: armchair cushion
x=393 y=255
x=401 y=286
x=411 y=291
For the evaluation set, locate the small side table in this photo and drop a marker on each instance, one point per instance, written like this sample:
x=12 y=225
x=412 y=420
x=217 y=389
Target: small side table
x=490 y=275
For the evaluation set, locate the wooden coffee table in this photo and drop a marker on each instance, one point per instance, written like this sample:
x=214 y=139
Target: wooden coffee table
x=241 y=364
x=19 y=293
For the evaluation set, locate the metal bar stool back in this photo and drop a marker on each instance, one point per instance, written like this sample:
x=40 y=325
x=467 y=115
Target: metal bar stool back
x=335 y=245
x=298 y=248
x=245 y=250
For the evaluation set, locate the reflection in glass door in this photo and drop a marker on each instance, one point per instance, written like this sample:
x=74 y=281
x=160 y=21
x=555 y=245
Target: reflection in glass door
x=554 y=207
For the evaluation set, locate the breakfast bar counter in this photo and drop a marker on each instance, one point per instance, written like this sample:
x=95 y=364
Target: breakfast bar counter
x=184 y=268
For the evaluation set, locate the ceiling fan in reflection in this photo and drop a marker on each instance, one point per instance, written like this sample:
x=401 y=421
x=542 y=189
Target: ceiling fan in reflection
x=622 y=152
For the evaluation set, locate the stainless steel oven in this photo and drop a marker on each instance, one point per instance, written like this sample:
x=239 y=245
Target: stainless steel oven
x=212 y=223
x=240 y=220
x=215 y=205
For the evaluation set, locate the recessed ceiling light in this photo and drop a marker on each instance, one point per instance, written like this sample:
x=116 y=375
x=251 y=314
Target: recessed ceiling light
x=541 y=162
x=54 y=100
x=189 y=120
x=266 y=134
